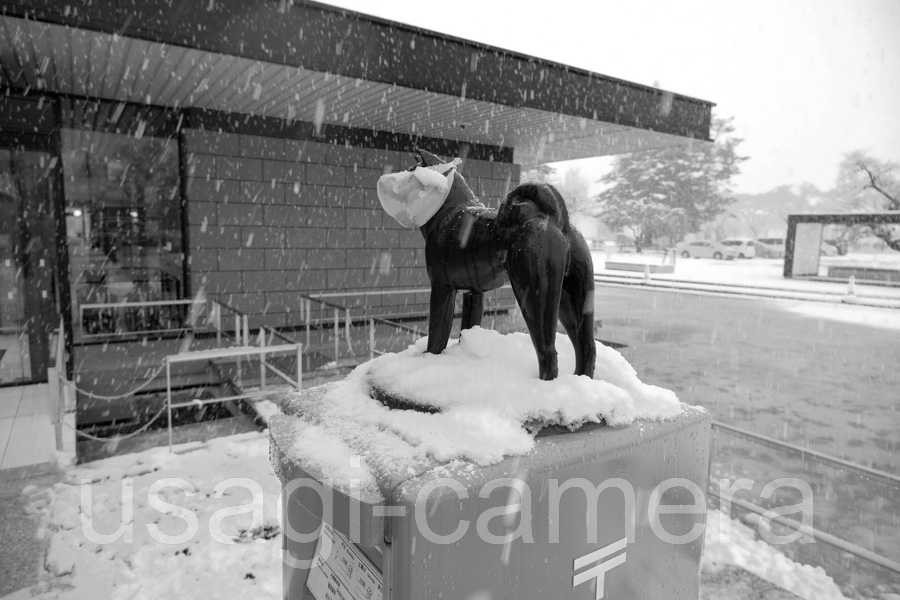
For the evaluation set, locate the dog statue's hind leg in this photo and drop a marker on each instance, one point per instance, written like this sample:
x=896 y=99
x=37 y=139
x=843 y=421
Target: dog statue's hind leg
x=576 y=311
x=472 y=310
x=537 y=281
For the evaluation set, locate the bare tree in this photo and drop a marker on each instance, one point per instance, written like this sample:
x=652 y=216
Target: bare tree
x=575 y=189
x=540 y=173
x=867 y=183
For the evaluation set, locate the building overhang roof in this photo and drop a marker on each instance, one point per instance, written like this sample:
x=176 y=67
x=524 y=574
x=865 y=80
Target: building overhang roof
x=327 y=66
x=884 y=217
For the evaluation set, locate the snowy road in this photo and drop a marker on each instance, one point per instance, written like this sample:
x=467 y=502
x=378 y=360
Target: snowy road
x=819 y=375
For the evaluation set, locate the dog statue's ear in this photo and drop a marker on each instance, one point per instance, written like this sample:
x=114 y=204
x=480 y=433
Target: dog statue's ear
x=429 y=159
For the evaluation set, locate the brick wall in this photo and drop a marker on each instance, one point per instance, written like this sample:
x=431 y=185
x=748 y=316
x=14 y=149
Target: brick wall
x=270 y=219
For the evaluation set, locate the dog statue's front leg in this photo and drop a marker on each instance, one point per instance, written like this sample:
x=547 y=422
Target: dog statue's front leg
x=440 y=317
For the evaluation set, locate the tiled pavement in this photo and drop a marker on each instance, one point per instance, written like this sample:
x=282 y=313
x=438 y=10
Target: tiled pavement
x=27 y=435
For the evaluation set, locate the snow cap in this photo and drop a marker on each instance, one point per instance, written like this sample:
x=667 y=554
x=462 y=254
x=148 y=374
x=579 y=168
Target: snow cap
x=414 y=196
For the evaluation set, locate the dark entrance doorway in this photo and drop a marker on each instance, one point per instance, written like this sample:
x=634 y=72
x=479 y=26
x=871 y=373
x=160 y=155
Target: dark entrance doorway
x=29 y=298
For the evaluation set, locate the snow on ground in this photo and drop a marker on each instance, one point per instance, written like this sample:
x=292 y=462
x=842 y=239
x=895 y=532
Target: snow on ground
x=760 y=273
x=244 y=560
x=881 y=318
x=730 y=542
x=228 y=556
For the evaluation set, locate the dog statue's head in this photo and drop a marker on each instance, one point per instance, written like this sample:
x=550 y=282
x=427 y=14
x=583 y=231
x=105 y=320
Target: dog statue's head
x=415 y=195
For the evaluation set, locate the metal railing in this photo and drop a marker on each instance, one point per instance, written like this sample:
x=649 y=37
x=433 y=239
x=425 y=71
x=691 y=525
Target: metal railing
x=99 y=320
x=341 y=321
x=805 y=454
x=267 y=335
x=231 y=327
x=238 y=353
x=339 y=314
x=102 y=320
x=221 y=313
x=806 y=530
x=813 y=455
x=397 y=326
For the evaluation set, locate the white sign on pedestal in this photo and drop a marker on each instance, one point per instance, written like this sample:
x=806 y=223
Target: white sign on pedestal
x=345 y=573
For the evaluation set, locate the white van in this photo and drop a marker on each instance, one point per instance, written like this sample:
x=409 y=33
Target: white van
x=770 y=247
x=742 y=246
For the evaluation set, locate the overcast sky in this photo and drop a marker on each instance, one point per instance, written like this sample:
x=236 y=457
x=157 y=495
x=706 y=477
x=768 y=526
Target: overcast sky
x=805 y=80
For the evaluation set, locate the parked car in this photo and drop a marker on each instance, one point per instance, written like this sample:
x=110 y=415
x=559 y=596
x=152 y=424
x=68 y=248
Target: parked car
x=743 y=246
x=770 y=247
x=714 y=250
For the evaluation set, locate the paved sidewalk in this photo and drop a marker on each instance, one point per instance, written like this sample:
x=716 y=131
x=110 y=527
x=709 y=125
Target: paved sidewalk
x=27 y=464
x=27 y=435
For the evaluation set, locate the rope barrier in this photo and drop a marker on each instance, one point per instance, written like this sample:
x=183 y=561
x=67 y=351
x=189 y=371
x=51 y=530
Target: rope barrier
x=121 y=396
x=117 y=436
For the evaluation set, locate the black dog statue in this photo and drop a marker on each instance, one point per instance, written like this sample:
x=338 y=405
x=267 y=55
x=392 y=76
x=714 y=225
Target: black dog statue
x=471 y=248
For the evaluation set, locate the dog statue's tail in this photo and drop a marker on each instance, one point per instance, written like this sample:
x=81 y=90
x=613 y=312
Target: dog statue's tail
x=551 y=272
x=533 y=200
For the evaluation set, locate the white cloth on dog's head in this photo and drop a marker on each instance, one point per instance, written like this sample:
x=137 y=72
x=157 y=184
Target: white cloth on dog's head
x=414 y=196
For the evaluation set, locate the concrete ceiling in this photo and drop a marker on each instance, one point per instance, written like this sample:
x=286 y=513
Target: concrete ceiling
x=39 y=56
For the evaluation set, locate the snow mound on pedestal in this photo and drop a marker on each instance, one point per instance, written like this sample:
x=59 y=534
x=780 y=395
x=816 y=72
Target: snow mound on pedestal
x=490 y=403
x=497 y=374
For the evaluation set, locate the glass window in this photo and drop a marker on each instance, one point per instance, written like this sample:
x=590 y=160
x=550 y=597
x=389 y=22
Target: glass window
x=123 y=221
x=28 y=288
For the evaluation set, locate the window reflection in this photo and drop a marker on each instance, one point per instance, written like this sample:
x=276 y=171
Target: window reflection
x=123 y=220
x=28 y=302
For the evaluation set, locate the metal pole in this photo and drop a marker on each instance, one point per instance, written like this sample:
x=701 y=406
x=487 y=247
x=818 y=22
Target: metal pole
x=246 y=330
x=218 y=323
x=812 y=455
x=299 y=367
x=262 y=358
x=821 y=536
x=371 y=339
x=237 y=337
x=169 y=399
x=337 y=333
x=308 y=310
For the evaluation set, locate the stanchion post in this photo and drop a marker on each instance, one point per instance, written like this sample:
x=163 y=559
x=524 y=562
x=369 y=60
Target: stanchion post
x=218 y=324
x=169 y=399
x=308 y=306
x=299 y=367
x=237 y=337
x=337 y=334
x=262 y=359
x=371 y=339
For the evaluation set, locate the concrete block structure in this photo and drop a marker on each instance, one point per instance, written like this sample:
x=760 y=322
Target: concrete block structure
x=269 y=219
